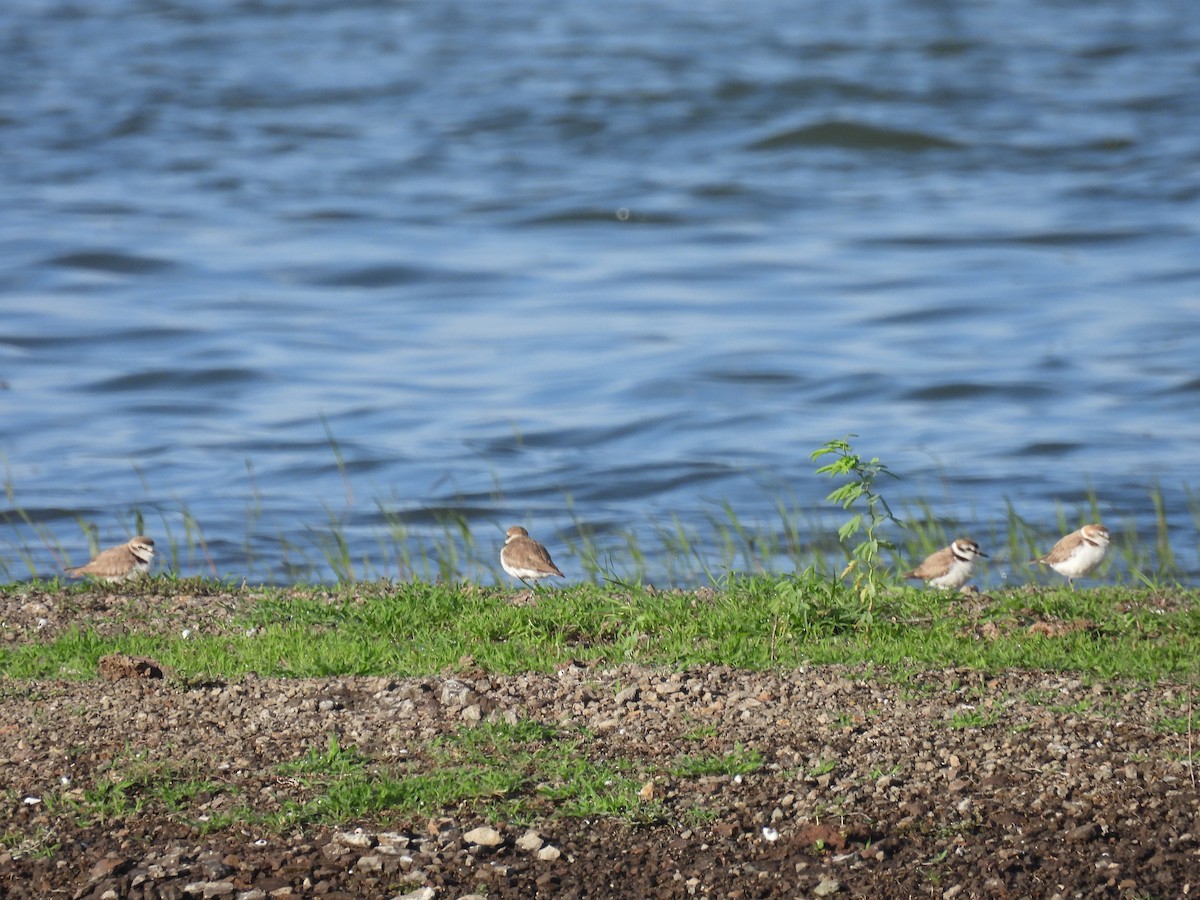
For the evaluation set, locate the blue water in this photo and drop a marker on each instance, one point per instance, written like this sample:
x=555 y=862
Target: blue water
x=588 y=265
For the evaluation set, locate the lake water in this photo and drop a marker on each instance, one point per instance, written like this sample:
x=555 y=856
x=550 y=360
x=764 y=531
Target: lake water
x=579 y=265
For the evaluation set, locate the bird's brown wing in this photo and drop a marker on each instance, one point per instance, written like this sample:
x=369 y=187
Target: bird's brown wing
x=1062 y=550
x=542 y=556
x=108 y=564
x=935 y=564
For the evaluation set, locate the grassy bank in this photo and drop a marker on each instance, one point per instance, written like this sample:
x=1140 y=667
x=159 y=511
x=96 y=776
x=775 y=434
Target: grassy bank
x=927 y=671
x=203 y=629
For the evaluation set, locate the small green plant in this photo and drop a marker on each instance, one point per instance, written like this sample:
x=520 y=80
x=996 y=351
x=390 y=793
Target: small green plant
x=1174 y=725
x=861 y=487
x=822 y=767
x=40 y=844
x=974 y=718
x=700 y=732
x=697 y=817
x=739 y=762
x=334 y=760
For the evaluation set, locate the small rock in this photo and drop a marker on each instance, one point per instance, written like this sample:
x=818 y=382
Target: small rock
x=392 y=844
x=827 y=887
x=355 y=839
x=530 y=841
x=951 y=893
x=484 y=836
x=1082 y=833
x=549 y=854
x=440 y=825
x=627 y=696
x=454 y=692
x=110 y=865
x=425 y=893
x=371 y=863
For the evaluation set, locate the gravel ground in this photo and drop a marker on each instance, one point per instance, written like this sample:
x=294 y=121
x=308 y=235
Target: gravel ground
x=921 y=784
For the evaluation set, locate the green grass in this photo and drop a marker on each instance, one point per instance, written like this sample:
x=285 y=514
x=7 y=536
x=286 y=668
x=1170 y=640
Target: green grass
x=974 y=718
x=128 y=787
x=1176 y=724
x=40 y=843
x=739 y=761
x=754 y=623
x=518 y=773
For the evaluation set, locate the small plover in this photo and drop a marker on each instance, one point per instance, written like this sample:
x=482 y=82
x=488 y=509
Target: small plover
x=524 y=558
x=1078 y=553
x=950 y=567
x=119 y=563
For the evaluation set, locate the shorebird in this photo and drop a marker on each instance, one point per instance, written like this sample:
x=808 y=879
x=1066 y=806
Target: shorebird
x=119 y=563
x=524 y=558
x=951 y=566
x=1078 y=553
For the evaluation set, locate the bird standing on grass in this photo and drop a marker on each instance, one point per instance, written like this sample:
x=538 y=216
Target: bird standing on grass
x=524 y=558
x=117 y=564
x=1078 y=553
x=950 y=567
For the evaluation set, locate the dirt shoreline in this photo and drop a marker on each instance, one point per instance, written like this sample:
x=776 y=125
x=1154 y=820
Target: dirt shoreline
x=921 y=784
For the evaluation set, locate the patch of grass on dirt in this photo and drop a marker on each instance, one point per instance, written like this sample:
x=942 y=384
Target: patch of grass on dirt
x=42 y=843
x=520 y=773
x=752 y=623
x=127 y=787
x=557 y=767
x=1176 y=725
x=974 y=718
x=740 y=761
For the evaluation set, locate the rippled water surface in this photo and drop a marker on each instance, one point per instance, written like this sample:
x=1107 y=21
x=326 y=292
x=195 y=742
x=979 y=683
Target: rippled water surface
x=281 y=272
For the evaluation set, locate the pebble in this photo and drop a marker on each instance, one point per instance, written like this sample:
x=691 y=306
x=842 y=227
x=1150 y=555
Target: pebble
x=1082 y=833
x=484 y=837
x=357 y=839
x=530 y=841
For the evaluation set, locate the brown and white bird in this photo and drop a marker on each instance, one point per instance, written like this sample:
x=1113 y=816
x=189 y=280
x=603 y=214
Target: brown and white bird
x=119 y=563
x=1078 y=553
x=950 y=567
x=524 y=558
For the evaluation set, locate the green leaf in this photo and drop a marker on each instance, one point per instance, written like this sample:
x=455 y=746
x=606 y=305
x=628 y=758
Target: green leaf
x=846 y=494
x=849 y=527
x=867 y=550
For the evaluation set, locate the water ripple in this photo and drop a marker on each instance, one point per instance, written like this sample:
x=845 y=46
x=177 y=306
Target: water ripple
x=854 y=136
x=955 y=391
x=113 y=262
x=155 y=379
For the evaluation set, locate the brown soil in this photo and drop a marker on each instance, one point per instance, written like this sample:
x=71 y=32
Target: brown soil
x=935 y=784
